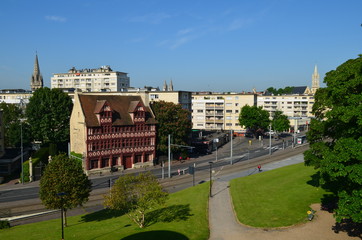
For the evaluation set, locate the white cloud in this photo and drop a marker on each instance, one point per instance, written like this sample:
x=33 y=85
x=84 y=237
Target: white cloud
x=179 y=42
x=153 y=18
x=238 y=23
x=184 y=31
x=56 y=18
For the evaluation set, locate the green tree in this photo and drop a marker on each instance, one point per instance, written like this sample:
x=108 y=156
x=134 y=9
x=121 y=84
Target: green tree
x=48 y=114
x=254 y=118
x=280 y=91
x=280 y=122
x=64 y=176
x=172 y=119
x=335 y=137
x=135 y=195
x=13 y=121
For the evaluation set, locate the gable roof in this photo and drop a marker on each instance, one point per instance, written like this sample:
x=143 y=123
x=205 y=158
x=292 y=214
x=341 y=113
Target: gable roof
x=299 y=90
x=120 y=105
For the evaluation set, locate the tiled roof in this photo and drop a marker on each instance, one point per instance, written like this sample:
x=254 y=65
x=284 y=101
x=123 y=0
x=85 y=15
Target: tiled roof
x=120 y=105
x=299 y=90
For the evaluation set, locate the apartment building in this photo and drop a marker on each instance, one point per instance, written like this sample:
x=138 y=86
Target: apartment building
x=219 y=111
x=102 y=79
x=298 y=107
x=178 y=97
x=15 y=96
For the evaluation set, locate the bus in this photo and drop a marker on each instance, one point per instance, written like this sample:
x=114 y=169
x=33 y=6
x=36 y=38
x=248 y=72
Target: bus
x=301 y=139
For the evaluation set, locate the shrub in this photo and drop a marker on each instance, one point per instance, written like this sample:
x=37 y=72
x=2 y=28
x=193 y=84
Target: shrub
x=4 y=224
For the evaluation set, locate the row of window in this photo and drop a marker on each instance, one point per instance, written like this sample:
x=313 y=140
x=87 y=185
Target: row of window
x=218 y=112
x=121 y=143
x=115 y=129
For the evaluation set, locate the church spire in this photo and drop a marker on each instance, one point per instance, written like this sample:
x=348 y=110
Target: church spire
x=170 y=87
x=315 y=80
x=36 y=78
x=165 y=86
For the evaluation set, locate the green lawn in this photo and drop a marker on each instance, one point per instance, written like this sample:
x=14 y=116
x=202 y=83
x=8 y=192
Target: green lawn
x=184 y=217
x=276 y=198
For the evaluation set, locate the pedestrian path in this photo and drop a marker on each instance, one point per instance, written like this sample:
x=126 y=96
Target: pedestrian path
x=222 y=221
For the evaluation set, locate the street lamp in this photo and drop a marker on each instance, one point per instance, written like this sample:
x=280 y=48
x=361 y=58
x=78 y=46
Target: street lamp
x=231 y=147
x=210 y=178
x=21 y=141
x=270 y=139
x=61 y=211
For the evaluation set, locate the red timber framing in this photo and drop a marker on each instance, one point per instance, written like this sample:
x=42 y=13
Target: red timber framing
x=117 y=145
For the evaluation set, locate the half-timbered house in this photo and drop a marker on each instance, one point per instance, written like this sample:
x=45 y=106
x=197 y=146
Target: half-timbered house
x=112 y=131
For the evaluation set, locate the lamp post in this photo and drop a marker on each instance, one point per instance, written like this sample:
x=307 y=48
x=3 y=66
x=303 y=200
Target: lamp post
x=231 y=147
x=62 y=211
x=21 y=142
x=169 y=156
x=21 y=151
x=270 y=139
x=210 y=178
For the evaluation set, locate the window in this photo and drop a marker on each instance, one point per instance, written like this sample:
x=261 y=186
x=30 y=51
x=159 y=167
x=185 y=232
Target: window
x=236 y=104
x=229 y=124
x=228 y=117
x=200 y=111
x=229 y=111
x=154 y=96
x=200 y=125
x=228 y=104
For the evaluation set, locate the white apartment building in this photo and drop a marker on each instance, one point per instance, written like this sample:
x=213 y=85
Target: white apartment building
x=297 y=107
x=102 y=79
x=219 y=111
x=15 y=96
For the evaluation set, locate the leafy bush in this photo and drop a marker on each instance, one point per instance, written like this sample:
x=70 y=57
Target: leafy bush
x=4 y=224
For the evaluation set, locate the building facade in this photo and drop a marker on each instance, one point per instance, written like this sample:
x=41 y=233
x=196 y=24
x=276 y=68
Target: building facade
x=112 y=131
x=15 y=96
x=102 y=79
x=184 y=98
x=219 y=111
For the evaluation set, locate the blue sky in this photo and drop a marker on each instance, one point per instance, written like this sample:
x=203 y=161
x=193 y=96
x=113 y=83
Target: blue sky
x=202 y=45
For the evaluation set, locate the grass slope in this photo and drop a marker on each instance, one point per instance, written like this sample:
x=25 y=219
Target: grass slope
x=276 y=198
x=184 y=217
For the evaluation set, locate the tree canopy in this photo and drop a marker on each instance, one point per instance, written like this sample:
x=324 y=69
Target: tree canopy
x=335 y=137
x=135 y=195
x=64 y=184
x=280 y=122
x=13 y=123
x=48 y=114
x=172 y=119
x=254 y=118
x=280 y=91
